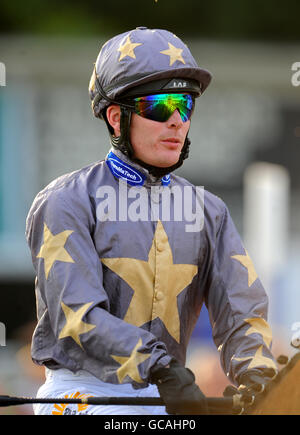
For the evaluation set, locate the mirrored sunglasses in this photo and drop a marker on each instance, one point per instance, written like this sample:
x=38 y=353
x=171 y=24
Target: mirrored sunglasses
x=160 y=107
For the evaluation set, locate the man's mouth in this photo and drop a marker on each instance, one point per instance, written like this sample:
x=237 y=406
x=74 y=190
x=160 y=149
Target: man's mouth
x=173 y=142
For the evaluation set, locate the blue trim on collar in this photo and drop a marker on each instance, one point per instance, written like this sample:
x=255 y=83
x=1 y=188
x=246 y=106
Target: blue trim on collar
x=128 y=173
x=166 y=180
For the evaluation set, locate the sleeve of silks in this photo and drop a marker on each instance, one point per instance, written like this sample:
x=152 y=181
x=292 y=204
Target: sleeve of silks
x=75 y=327
x=237 y=302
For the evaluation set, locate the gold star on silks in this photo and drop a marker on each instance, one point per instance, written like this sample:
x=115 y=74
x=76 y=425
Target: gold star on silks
x=53 y=249
x=246 y=261
x=174 y=53
x=260 y=326
x=156 y=283
x=127 y=49
x=129 y=364
x=74 y=325
x=258 y=360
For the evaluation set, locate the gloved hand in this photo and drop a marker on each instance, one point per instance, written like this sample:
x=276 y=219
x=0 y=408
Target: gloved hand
x=251 y=383
x=176 y=385
x=255 y=381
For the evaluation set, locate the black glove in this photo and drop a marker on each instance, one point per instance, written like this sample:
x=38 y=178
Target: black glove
x=177 y=388
x=251 y=383
x=255 y=381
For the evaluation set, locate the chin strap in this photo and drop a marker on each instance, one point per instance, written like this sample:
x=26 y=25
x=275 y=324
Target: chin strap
x=123 y=144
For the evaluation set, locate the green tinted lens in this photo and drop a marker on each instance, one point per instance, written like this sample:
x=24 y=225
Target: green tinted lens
x=160 y=107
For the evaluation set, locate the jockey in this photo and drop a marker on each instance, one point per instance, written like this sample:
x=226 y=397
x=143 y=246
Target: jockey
x=122 y=268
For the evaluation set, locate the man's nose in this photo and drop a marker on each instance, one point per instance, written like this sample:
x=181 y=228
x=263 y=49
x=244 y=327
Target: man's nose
x=175 y=119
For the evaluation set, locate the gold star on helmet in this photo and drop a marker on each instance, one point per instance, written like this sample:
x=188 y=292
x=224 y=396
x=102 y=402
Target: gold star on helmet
x=246 y=261
x=174 y=53
x=127 y=49
x=260 y=326
x=258 y=360
x=156 y=283
x=129 y=364
x=53 y=249
x=74 y=326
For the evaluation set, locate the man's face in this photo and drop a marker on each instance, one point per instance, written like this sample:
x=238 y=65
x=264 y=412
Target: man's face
x=158 y=143
x=155 y=143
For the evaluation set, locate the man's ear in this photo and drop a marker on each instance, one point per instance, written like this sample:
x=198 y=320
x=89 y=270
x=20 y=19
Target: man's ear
x=113 y=115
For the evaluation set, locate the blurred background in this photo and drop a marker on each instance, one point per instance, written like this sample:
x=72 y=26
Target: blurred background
x=245 y=143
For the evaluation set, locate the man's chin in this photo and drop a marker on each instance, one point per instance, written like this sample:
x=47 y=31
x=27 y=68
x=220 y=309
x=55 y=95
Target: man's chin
x=168 y=160
x=165 y=161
